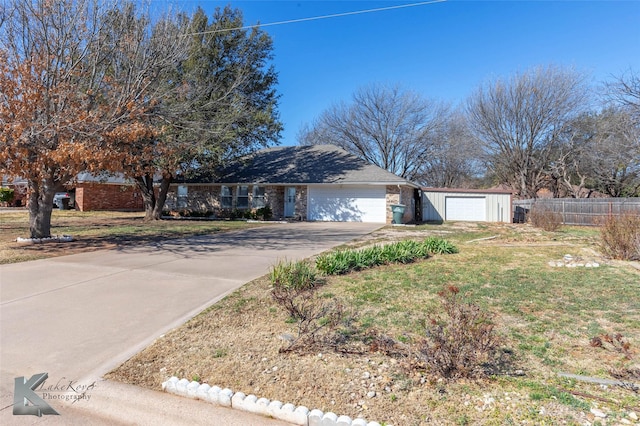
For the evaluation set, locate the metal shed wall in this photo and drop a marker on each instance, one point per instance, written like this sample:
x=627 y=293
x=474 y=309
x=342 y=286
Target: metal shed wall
x=498 y=204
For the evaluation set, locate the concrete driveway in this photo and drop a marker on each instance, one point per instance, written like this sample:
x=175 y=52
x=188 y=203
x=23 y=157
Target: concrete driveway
x=76 y=317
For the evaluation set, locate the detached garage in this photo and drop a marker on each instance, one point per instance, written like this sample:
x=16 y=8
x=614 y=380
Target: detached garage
x=473 y=205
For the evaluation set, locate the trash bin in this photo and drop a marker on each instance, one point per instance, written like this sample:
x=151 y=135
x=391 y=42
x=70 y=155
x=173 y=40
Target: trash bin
x=398 y=212
x=63 y=204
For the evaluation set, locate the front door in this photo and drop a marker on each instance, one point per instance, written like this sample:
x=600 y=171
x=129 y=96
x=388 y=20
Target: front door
x=289 y=201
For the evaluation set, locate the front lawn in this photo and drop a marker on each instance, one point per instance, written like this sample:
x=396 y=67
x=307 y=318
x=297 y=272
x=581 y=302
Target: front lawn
x=547 y=317
x=96 y=230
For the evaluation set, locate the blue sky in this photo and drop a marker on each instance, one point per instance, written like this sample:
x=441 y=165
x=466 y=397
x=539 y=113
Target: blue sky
x=441 y=50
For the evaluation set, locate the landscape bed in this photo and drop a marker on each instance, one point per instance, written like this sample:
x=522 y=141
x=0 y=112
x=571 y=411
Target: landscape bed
x=549 y=319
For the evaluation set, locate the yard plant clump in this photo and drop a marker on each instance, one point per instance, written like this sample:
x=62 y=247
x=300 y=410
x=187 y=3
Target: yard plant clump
x=461 y=339
x=544 y=218
x=621 y=237
x=407 y=251
x=318 y=319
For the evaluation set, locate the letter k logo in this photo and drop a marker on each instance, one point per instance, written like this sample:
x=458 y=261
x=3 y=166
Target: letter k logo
x=23 y=394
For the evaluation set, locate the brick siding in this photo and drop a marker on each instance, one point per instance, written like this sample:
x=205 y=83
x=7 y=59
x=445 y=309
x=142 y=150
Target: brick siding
x=100 y=196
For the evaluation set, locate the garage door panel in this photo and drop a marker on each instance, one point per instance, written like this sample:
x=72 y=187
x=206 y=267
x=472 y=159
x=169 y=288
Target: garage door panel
x=347 y=204
x=472 y=209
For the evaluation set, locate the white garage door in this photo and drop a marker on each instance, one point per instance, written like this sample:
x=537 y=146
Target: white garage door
x=466 y=208
x=347 y=203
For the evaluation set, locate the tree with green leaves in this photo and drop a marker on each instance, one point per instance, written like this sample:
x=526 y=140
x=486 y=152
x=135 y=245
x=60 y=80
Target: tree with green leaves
x=221 y=102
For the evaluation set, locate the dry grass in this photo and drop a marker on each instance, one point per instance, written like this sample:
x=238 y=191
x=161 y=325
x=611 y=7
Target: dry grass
x=547 y=317
x=95 y=231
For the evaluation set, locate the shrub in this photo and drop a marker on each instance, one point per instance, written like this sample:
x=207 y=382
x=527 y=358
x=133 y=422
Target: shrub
x=460 y=340
x=621 y=237
x=544 y=218
x=6 y=195
x=319 y=324
x=318 y=319
x=265 y=213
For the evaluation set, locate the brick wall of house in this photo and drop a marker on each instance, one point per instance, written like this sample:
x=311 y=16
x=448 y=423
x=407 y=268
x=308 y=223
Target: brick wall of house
x=100 y=196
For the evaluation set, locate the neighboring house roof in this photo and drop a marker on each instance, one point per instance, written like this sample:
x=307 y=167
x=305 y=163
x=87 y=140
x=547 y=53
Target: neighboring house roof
x=302 y=165
x=105 y=177
x=13 y=180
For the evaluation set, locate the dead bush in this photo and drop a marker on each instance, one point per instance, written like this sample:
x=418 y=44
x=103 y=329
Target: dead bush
x=461 y=341
x=292 y=282
x=613 y=342
x=321 y=324
x=621 y=237
x=544 y=218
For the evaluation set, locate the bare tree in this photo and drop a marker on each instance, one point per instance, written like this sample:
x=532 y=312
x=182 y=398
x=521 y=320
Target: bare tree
x=387 y=126
x=615 y=153
x=519 y=121
x=454 y=161
x=625 y=91
x=570 y=168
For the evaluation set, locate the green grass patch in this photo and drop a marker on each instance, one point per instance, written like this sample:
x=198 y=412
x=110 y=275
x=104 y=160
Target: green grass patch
x=343 y=261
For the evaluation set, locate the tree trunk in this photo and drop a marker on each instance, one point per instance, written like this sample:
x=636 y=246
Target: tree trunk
x=153 y=205
x=40 y=208
x=162 y=196
x=145 y=185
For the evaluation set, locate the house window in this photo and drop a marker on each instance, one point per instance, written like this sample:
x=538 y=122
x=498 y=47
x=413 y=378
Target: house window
x=226 y=197
x=182 y=197
x=258 y=197
x=243 y=197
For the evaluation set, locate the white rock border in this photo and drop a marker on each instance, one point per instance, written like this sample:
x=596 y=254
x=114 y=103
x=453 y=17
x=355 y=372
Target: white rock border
x=570 y=261
x=262 y=406
x=52 y=239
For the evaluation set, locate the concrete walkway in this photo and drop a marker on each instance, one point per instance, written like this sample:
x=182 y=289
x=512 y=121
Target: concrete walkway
x=76 y=317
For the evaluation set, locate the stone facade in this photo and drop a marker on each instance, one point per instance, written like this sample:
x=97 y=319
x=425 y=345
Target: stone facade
x=400 y=195
x=200 y=198
x=300 y=211
x=207 y=198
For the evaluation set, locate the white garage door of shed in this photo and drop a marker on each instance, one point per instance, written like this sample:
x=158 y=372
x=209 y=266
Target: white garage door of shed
x=348 y=204
x=466 y=208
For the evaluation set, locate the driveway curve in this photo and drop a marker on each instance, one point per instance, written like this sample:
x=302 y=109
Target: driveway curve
x=76 y=317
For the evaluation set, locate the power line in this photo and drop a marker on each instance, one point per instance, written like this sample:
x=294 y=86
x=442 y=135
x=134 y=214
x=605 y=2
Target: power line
x=316 y=18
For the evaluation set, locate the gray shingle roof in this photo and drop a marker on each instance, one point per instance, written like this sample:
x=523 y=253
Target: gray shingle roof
x=314 y=164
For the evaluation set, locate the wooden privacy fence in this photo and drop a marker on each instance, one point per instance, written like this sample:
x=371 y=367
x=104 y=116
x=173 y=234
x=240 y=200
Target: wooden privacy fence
x=578 y=211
